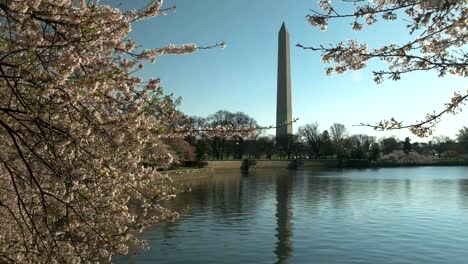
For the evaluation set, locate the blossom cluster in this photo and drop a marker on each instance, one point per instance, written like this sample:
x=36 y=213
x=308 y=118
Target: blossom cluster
x=439 y=29
x=78 y=130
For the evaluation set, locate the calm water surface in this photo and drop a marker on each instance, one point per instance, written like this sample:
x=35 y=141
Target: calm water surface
x=397 y=215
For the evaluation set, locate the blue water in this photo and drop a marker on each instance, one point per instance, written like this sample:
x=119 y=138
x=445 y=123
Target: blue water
x=396 y=215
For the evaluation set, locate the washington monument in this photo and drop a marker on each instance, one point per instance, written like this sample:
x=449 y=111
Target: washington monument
x=283 y=97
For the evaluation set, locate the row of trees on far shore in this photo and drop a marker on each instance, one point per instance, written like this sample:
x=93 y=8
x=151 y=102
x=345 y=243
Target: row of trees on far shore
x=310 y=142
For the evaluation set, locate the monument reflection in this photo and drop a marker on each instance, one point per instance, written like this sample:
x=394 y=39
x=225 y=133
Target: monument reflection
x=283 y=249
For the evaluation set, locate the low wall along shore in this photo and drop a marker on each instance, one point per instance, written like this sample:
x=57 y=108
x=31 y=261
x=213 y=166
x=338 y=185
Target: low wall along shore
x=272 y=164
x=304 y=164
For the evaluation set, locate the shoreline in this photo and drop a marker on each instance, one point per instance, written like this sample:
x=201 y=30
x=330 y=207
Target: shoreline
x=253 y=164
x=247 y=164
x=213 y=167
x=386 y=164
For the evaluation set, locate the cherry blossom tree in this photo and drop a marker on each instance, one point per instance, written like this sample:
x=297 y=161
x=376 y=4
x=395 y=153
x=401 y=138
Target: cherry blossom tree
x=440 y=37
x=75 y=131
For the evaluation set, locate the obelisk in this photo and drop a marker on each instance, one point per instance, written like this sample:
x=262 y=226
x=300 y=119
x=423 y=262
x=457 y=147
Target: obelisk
x=283 y=97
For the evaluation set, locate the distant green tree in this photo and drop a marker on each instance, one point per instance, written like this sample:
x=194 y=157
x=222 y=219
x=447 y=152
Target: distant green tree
x=299 y=148
x=462 y=138
x=417 y=147
x=449 y=154
x=238 y=147
x=358 y=153
x=425 y=149
x=202 y=149
x=289 y=146
x=407 y=145
x=374 y=151
x=442 y=143
x=347 y=148
x=252 y=148
x=326 y=148
x=267 y=146
x=388 y=145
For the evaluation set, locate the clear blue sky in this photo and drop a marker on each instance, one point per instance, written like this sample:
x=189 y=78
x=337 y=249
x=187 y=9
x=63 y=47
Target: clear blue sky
x=242 y=77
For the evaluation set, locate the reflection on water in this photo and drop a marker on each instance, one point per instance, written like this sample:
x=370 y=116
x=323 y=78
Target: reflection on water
x=400 y=215
x=283 y=217
x=463 y=192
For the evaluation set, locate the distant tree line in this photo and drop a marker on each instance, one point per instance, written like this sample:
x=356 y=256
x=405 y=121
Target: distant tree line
x=310 y=142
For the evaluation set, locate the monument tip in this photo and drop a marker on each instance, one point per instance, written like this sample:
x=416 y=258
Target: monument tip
x=283 y=27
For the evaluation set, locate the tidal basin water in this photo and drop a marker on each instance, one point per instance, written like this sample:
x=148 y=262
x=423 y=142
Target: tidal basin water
x=397 y=215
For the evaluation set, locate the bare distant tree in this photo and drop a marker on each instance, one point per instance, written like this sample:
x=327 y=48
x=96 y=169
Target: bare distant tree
x=362 y=141
x=311 y=135
x=337 y=132
x=360 y=145
x=442 y=143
